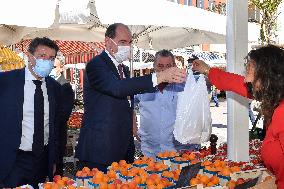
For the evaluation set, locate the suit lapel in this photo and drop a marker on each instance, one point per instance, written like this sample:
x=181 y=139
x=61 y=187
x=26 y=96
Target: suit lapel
x=110 y=64
x=20 y=99
x=51 y=101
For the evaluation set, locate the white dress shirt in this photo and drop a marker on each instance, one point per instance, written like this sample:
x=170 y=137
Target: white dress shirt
x=154 y=76
x=28 y=112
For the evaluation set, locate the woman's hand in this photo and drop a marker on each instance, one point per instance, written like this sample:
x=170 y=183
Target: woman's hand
x=200 y=66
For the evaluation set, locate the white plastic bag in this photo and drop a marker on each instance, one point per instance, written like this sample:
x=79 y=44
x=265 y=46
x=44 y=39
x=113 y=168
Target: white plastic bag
x=193 y=117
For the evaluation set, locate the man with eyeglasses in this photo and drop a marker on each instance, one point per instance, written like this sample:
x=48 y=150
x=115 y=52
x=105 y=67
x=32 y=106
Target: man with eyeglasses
x=158 y=113
x=106 y=135
x=30 y=108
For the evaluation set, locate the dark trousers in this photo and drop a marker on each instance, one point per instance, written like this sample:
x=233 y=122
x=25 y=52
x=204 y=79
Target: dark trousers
x=28 y=169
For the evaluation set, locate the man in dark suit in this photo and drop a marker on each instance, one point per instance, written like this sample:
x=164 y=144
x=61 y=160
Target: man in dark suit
x=67 y=102
x=30 y=108
x=106 y=134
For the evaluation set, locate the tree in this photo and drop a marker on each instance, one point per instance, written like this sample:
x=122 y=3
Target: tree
x=268 y=11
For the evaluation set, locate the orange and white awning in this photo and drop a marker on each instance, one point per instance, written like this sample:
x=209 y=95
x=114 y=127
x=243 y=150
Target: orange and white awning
x=73 y=51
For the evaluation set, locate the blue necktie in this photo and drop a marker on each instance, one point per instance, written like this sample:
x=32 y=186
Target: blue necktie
x=38 y=138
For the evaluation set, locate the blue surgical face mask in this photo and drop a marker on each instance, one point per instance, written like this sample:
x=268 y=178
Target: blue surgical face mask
x=43 y=67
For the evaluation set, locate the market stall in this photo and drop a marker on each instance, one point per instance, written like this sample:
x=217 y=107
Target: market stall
x=9 y=60
x=183 y=169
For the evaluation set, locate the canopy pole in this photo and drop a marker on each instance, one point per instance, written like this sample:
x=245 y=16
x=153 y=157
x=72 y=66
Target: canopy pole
x=131 y=62
x=237 y=48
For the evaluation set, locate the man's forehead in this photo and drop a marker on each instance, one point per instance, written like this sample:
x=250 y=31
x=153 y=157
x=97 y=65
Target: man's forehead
x=164 y=59
x=44 y=50
x=123 y=33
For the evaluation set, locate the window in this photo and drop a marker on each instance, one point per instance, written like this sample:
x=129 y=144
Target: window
x=211 y=4
x=200 y=4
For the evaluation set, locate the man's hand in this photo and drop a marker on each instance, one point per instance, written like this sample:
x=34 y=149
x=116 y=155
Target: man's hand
x=200 y=66
x=172 y=75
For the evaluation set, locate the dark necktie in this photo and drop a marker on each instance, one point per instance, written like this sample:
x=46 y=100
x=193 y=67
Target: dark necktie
x=161 y=86
x=38 y=138
x=120 y=70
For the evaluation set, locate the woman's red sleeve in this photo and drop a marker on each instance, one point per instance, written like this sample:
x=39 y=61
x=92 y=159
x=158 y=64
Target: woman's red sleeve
x=228 y=81
x=277 y=124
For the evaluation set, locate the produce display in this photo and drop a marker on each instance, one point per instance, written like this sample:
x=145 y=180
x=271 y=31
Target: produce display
x=9 y=60
x=75 y=120
x=163 y=172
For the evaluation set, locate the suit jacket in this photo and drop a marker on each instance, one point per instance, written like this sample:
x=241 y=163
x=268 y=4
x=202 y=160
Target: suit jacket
x=106 y=132
x=11 y=116
x=67 y=102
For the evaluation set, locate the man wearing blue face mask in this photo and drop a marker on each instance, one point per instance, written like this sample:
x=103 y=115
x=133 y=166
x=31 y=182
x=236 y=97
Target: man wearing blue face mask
x=30 y=109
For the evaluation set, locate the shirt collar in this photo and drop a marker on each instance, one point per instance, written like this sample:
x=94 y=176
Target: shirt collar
x=112 y=59
x=29 y=76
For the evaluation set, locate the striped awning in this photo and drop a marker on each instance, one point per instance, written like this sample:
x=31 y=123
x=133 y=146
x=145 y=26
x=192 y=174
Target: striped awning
x=73 y=51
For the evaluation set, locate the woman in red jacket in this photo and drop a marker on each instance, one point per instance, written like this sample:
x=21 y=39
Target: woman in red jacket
x=263 y=81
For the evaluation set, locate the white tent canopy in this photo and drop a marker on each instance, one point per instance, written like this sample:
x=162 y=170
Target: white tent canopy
x=164 y=24
x=155 y=24
x=159 y=13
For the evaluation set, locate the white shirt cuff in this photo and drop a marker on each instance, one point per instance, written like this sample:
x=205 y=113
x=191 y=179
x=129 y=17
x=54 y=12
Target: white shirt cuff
x=154 y=79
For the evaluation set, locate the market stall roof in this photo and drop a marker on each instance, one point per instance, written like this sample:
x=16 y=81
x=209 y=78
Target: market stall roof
x=73 y=51
x=68 y=47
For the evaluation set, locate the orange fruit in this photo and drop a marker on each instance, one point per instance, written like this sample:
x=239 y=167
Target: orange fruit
x=137 y=179
x=132 y=184
x=151 y=187
x=103 y=185
x=111 y=186
x=150 y=181
x=217 y=163
x=47 y=185
x=111 y=174
x=124 y=186
x=191 y=156
x=235 y=169
x=209 y=184
x=86 y=170
x=215 y=180
x=194 y=161
x=122 y=163
x=79 y=173
x=231 y=184
x=194 y=181
x=204 y=179
x=225 y=171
